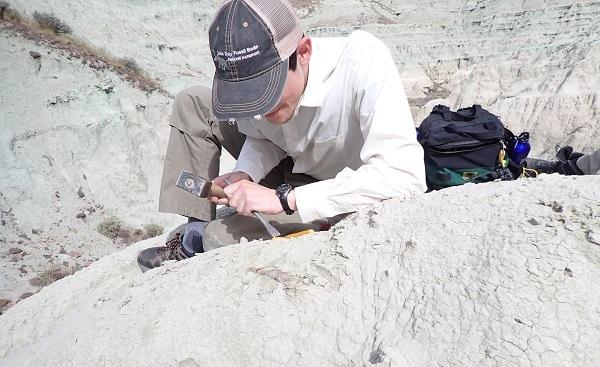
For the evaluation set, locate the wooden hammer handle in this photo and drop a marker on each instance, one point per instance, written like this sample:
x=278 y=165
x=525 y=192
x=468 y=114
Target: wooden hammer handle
x=216 y=190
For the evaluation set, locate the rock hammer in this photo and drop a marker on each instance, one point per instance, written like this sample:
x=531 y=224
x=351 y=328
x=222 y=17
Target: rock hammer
x=203 y=188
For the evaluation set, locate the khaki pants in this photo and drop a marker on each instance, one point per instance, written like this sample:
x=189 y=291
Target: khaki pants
x=589 y=164
x=195 y=144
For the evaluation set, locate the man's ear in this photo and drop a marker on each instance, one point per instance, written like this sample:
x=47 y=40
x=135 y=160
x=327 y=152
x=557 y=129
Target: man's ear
x=304 y=50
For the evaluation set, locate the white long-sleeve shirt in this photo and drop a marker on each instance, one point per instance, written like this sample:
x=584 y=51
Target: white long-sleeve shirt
x=353 y=131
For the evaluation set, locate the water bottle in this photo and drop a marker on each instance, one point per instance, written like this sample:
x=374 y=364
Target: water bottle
x=519 y=148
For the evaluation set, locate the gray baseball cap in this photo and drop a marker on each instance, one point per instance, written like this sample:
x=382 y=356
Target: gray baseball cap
x=250 y=43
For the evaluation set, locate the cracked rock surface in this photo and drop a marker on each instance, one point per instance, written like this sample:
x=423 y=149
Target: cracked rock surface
x=536 y=64
x=496 y=274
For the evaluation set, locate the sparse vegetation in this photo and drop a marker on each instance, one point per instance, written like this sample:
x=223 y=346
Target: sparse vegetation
x=51 y=22
x=51 y=275
x=110 y=227
x=130 y=64
x=49 y=30
x=153 y=230
x=3 y=7
x=6 y=12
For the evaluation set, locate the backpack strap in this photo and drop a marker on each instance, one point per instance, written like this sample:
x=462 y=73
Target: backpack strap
x=464 y=114
x=444 y=111
x=467 y=114
x=490 y=130
x=503 y=174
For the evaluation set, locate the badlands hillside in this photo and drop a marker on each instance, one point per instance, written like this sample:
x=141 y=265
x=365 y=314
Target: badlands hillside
x=81 y=145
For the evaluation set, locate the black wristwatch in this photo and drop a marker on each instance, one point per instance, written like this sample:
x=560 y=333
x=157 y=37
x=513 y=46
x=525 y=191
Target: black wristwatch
x=282 y=192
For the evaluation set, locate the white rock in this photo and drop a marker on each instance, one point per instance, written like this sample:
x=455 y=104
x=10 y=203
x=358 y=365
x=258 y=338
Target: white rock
x=419 y=291
x=426 y=295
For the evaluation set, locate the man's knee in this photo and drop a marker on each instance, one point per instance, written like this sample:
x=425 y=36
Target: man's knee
x=192 y=94
x=192 y=110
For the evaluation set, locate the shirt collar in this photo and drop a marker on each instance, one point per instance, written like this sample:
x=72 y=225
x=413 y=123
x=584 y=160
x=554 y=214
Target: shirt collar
x=319 y=69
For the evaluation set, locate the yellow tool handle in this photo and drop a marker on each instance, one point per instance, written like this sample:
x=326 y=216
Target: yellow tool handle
x=298 y=234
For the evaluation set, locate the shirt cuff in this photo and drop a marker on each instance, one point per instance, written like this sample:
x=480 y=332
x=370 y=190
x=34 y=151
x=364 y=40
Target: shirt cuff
x=253 y=170
x=311 y=201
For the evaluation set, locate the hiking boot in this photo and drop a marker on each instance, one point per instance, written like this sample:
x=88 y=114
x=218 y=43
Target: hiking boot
x=565 y=165
x=182 y=243
x=568 y=161
x=155 y=256
x=542 y=166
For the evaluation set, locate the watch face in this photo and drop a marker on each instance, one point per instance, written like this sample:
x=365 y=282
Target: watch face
x=281 y=189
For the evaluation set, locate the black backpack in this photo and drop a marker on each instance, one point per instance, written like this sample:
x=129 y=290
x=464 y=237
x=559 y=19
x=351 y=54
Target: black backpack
x=468 y=145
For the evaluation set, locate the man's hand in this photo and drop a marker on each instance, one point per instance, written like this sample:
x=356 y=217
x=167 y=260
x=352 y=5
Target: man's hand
x=223 y=180
x=246 y=197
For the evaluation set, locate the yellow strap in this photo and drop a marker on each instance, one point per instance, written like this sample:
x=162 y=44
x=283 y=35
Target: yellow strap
x=501 y=158
x=530 y=173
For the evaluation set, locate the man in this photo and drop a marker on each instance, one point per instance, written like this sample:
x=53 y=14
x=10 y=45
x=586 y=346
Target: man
x=323 y=128
x=319 y=127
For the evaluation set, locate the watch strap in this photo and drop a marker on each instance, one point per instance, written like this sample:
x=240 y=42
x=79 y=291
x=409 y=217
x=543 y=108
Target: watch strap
x=282 y=193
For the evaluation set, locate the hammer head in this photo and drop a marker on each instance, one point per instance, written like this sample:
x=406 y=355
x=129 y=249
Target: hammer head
x=194 y=184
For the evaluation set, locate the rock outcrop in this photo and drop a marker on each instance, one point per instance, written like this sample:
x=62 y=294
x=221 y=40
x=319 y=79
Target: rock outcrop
x=77 y=146
x=535 y=63
x=497 y=274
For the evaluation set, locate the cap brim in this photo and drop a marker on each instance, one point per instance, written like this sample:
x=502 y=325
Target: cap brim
x=246 y=99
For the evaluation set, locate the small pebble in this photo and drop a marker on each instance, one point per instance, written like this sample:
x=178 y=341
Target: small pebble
x=35 y=231
x=80 y=193
x=14 y=250
x=60 y=273
x=568 y=272
x=123 y=233
x=80 y=215
x=75 y=254
x=593 y=237
x=36 y=282
x=4 y=302
x=36 y=55
x=3 y=222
